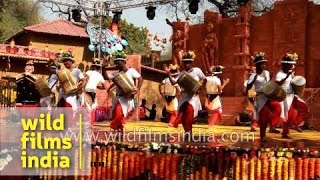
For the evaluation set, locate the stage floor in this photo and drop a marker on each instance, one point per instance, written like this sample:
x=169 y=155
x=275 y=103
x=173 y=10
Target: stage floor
x=227 y=136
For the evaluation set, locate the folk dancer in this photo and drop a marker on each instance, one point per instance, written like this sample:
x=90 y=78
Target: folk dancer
x=250 y=99
x=94 y=80
x=70 y=100
x=292 y=102
x=123 y=104
x=213 y=88
x=170 y=93
x=53 y=80
x=267 y=110
x=189 y=103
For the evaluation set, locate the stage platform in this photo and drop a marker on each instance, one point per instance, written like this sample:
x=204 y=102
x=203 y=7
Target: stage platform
x=225 y=136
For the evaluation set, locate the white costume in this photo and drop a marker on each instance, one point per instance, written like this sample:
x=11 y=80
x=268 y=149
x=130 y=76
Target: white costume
x=261 y=99
x=94 y=78
x=215 y=104
x=287 y=102
x=127 y=103
x=173 y=105
x=52 y=83
x=72 y=98
x=193 y=99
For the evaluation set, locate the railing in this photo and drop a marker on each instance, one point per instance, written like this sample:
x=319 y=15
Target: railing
x=154 y=64
x=8 y=92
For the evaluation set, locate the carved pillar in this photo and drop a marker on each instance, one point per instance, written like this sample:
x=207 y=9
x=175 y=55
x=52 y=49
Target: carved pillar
x=242 y=56
x=210 y=43
x=155 y=57
x=179 y=40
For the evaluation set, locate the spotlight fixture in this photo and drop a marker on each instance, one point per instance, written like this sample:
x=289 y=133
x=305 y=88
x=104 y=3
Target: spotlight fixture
x=242 y=2
x=151 y=13
x=116 y=16
x=76 y=15
x=193 y=6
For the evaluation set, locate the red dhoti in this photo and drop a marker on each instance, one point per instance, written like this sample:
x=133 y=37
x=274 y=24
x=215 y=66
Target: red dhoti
x=296 y=113
x=69 y=117
x=214 y=117
x=214 y=107
x=63 y=103
x=172 y=108
x=117 y=118
x=269 y=113
x=172 y=118
x=186 y=116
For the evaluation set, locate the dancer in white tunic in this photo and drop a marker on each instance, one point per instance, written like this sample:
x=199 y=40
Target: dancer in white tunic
x=292 y=102
x=94 y=80
x=123 y=104
x=266 y=110
x=170 y=93
x=189 y=103
x=213 y=89
x=53 y=82
x=70 y=100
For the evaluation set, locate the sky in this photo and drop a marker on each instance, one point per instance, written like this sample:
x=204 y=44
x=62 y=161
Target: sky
x=137 y=16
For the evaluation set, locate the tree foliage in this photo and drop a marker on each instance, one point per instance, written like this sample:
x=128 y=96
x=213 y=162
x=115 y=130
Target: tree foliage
x=15 y=14
x=228 y=8
x=136 y=36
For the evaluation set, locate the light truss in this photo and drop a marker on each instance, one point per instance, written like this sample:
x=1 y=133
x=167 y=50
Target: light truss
x=113 y=5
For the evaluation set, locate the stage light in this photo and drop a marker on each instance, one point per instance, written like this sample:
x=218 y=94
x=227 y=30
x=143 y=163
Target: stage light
x=76 y=15
x=151 y=12
x=116 y=16
x=242 y=2
x=193 y=6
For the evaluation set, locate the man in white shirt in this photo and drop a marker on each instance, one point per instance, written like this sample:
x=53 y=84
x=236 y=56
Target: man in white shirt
x=266 y=110
x=53 y=80
x=189 y=103
x=123 y=104
x=70 y=100
x=94 y=80
x=213 y=89
x=292 y=102
x=170 y=92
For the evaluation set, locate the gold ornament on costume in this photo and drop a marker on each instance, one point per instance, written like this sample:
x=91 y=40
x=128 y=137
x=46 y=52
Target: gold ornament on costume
x=189 y=55
x=174 y=67
x=258 y=54
x=292 y=56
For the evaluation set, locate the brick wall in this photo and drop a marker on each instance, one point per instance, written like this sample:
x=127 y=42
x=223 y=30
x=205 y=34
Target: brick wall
x=292 y=25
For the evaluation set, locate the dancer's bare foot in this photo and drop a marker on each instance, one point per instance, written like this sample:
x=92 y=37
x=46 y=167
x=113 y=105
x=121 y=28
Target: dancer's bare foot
x=253 y=129
x=297 y=128
x=285 y=136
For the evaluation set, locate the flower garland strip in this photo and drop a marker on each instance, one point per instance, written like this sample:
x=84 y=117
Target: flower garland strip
x=193 y=162
x=202 y=150
x=128 y=161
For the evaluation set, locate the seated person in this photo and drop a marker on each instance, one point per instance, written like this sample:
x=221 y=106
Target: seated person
x=152 y=113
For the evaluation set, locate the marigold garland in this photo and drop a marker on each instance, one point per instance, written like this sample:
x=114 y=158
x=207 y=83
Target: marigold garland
x=198 y=162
